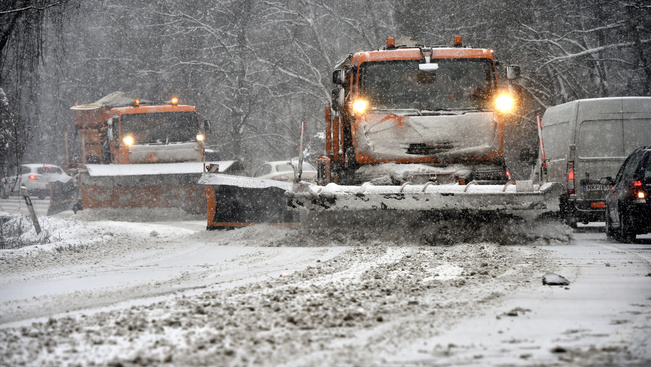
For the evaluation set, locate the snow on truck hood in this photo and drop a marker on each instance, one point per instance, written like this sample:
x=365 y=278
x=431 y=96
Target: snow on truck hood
x=470 y=134
x=96 y=170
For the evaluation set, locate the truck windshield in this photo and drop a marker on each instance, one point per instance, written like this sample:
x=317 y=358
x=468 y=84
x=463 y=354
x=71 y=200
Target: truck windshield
x=160 y=127
x=457 y=84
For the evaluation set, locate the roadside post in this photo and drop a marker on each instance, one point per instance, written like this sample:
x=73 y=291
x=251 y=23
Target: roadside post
x=298 y=171
x=32 y=213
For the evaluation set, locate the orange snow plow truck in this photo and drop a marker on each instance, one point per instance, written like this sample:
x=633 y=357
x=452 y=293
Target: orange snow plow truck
x=415 y=129
x=139 y=154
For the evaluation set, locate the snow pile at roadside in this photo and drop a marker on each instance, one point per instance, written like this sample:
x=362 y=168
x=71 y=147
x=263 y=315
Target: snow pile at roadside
x=61 y=232
x=63 y=240
x=18 y=231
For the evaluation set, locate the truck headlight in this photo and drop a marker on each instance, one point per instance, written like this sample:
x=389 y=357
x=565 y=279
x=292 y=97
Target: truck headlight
x=360 y=106
x=128 y=140
x=505 y=103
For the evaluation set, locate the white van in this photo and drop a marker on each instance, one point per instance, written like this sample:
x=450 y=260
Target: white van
x=587 y=140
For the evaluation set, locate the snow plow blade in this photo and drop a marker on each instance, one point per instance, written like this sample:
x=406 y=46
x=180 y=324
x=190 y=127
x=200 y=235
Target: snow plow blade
x=238 y=201
x=159 y=185
x=63 y=197
x=519 y=213
x=518 y=197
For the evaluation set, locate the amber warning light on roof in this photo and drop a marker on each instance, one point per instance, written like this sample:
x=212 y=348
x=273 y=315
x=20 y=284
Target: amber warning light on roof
x=175 y=101
x=458 y=42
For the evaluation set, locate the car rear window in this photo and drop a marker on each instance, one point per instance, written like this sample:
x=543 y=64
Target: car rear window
x=46 y=170
x=631 y=166
x=285 y=167
x=265 y=169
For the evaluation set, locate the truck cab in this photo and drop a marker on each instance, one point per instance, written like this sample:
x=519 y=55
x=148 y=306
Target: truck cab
x=152 y=134
x=422 y=108
x=127 y=131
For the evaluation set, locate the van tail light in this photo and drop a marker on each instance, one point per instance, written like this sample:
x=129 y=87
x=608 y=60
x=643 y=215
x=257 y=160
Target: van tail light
x=570 y=178
x=32 y=177
x=637 y=192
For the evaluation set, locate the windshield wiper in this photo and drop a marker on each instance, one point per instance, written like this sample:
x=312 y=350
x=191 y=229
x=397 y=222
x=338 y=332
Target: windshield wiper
x=453 y=111
x=400 y=111
x=440 y=111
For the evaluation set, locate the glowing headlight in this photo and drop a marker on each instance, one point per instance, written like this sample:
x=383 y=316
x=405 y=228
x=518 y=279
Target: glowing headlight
x=200 y=137
x=504 y=103
x=128 y=140
x=360 y=106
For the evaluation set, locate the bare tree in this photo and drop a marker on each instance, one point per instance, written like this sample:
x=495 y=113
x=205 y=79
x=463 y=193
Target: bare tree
x=23 y=26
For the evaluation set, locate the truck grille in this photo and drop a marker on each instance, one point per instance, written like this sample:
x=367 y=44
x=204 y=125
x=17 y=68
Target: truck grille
x=426 y=149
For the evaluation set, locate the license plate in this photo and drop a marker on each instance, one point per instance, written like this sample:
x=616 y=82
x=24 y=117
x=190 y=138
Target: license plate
x=596 y=187
x=597 y=204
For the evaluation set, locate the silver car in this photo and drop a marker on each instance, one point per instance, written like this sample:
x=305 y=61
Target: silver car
x=36 y=177
x=283 y=171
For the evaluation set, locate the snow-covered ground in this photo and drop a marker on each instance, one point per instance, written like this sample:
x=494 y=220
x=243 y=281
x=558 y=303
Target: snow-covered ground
x=172 y=293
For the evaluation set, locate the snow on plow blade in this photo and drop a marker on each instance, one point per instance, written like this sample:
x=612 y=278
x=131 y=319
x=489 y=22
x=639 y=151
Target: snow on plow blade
x=430 y=214
x=522 y=198
x=160 y=185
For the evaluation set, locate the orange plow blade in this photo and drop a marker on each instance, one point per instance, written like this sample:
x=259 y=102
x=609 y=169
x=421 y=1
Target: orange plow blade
x=165 y=185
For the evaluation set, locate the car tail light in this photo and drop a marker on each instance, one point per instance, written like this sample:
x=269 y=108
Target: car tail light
x=32 y=177
x=637 y=192
x=570 y=178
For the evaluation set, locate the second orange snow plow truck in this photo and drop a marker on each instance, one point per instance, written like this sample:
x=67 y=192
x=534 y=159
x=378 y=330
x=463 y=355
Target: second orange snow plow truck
x=418 y=130
x=140 y=154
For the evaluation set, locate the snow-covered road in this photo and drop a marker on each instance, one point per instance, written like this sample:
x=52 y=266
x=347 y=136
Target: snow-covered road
x=110 y=292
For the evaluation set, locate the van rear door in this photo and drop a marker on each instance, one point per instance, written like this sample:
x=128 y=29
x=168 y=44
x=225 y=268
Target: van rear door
x=599 y=149
x=636 y=120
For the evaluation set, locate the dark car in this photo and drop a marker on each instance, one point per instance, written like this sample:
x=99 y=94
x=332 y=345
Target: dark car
x=628 y=207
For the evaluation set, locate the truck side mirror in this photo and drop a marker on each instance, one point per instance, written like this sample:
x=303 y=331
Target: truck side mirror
x=339 y=76
x=206 y=125
x=513 y=72
x=338 y=98
x=109 y=130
